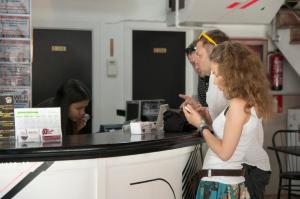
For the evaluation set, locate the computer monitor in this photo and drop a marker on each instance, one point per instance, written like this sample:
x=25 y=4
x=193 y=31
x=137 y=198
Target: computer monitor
x=110 y=127
x=143 y=110
x=132 y=110
x=150 y=109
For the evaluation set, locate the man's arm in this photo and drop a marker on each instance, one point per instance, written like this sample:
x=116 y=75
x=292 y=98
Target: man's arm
x=189 y=100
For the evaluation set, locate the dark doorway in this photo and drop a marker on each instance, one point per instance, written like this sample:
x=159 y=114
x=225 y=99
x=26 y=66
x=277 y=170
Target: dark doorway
x=59 y=55
x=158 y=66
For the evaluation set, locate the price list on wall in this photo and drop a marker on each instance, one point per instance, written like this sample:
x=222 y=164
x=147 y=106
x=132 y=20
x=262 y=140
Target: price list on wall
x=15 y=51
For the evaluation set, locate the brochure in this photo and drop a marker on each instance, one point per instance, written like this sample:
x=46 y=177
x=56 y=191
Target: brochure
x=15 y=26
x=14 y=51
x=7 y=129
x=15 y=6
x=14 y=74
x=20 y=95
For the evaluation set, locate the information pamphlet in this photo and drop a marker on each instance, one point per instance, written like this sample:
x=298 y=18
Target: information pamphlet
x=15 y=6
x=20 y=95
x=7 y=129
x=15 y=26
x=15 y=51
x=38 y=124
x=14 y=74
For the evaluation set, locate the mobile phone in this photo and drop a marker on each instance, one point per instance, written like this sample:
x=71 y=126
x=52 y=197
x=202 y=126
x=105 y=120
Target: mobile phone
x=86 y=117
x=187 y=109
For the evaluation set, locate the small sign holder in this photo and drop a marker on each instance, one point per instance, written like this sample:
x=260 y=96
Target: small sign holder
x=38 y=124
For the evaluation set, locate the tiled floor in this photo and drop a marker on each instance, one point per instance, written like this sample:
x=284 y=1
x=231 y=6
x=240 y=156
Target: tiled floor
x=282 y=197
x=271 y=197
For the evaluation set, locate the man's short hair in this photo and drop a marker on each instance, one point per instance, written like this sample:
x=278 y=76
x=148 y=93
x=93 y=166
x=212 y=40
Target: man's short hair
x=217 y=35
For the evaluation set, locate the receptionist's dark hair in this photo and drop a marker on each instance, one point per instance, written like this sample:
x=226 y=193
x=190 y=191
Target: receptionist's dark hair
x=71 y=91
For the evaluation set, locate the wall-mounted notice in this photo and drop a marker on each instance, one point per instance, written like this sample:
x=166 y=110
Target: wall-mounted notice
x=38 y=124
x=6 y=117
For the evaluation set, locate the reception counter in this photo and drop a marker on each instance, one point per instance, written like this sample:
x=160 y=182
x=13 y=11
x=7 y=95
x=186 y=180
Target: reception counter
x=100 y=165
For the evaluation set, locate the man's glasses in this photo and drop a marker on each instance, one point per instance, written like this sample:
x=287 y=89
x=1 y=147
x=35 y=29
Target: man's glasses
x=190 y=49
x=208 y=38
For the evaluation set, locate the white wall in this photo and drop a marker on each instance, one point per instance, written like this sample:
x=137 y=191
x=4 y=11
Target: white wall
x=98 y=10
x=106 y=20
x=115 y=19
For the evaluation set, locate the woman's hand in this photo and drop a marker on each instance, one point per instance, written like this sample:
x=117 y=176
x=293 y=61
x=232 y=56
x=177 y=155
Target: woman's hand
x=203 y=111
x=80 y=124
x=192 y=116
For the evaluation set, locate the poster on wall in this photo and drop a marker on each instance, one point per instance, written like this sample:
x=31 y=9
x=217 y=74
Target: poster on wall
x=15 y=6
x=257 y=45
x=7 y=128
x=15 y=26
x=14 y=51
x=20 y=95
x=14 y=74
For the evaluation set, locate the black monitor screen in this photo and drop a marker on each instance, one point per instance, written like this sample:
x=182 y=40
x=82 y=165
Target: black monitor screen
x=132 y=110
x=150 y=110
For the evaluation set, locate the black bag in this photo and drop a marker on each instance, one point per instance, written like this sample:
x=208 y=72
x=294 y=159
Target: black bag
x=176 y=122
x=256 y=181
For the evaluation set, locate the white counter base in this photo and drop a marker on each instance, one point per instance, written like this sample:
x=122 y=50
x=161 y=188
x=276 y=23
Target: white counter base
x=103 y=178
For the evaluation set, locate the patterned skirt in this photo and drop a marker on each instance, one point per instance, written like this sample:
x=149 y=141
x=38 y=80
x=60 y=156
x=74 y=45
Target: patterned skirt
x=216 y=190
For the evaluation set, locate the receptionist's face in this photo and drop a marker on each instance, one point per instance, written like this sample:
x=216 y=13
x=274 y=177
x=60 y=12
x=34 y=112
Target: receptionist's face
x=77 y=110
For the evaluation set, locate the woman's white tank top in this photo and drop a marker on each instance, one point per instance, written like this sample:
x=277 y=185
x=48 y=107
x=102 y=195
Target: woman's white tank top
x=249 y=150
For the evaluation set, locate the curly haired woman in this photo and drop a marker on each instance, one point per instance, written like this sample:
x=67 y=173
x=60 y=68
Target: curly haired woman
x=240 y=74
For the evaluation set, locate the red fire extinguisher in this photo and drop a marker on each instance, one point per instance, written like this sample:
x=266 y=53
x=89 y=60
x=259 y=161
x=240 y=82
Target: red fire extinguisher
x=276 y=70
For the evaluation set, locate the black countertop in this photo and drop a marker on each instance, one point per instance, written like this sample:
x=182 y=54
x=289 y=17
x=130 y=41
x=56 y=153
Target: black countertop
x=97 y=145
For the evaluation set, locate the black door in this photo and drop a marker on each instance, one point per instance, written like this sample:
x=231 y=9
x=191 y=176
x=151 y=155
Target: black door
x=158 y=66
x=59 y=55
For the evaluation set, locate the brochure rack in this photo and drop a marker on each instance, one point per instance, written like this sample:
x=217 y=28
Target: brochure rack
x=15 y=51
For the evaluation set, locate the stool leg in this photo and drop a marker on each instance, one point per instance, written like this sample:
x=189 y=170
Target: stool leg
x=290 y=184
x=279 y=189
x=201 y=154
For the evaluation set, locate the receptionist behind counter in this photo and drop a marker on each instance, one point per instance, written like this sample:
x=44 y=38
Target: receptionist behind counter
x=72 y=97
